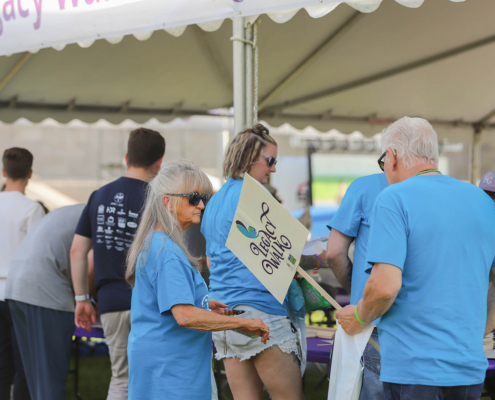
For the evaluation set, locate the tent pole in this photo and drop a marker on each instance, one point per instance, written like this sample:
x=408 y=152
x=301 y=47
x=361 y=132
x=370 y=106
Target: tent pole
x=310 y=150
x=239 y=75
x=249 y=75
x=476 y=155
x=7 y=78
x=255 y=72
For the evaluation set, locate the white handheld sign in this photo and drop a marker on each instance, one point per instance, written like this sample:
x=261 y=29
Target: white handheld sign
x=266 y=238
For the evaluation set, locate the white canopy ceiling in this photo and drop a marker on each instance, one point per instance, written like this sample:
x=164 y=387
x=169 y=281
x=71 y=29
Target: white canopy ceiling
x=30 y=25
x=435 y=61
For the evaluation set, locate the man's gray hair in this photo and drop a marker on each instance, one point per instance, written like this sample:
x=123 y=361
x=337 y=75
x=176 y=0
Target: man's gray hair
x=414 y=140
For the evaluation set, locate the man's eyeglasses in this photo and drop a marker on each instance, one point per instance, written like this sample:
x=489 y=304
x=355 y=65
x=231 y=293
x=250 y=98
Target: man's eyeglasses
x=381 y=160
x=270 y=160
x=194 y=198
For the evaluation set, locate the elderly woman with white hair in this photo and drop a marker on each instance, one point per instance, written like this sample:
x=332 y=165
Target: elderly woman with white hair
x=170 y=343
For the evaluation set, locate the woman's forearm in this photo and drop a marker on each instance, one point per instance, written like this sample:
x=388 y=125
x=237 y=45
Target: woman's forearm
x=313 y=262
x=192 y=317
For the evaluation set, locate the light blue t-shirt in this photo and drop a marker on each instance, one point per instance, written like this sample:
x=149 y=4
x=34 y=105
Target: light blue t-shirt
x=353 y=219
x=167 y=361
x=231 y=282
x=440 y=232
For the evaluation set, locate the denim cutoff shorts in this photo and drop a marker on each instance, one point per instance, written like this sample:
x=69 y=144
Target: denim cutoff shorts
x=230 y=344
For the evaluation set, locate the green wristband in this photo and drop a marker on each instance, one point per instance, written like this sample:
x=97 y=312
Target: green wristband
x=359 y=319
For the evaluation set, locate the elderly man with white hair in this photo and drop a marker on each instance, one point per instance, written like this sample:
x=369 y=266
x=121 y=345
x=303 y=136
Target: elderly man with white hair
x=431 y=256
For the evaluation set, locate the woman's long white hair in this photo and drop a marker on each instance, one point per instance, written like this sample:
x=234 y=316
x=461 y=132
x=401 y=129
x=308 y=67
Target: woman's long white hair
x=176 y=177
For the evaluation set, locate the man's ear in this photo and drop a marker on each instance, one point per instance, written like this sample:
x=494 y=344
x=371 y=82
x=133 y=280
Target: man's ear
x=392 y=156
x=126 y=159
x=30 y=174
x=158 y=164
x=4 y=173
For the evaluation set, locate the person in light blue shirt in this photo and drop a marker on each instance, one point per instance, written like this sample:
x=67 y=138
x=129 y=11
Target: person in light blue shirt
x=250 y=364
x=352 y=222
x=230 y=281
x=170 y=347
x=431 y=256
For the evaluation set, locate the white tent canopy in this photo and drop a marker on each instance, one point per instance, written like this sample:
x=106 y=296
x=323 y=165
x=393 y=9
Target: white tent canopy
x=345 y=68
x=76 y=146
x=434 y=61
x=88 y=155
x=32 y=24
x=77 y=158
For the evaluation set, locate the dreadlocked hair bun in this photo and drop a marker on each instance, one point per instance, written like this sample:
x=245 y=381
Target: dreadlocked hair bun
x=259 y=129
x=245 y=149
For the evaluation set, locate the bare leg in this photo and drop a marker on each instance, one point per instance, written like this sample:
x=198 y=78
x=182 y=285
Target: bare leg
x=243 y=379
x=280 y=374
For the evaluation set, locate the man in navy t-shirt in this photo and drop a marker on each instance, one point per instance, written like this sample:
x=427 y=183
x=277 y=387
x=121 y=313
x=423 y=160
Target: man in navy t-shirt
x=108 y=224
x=431 y=257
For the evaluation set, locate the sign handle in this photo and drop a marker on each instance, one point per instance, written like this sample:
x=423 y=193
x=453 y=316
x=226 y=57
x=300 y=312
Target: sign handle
x=329 y=298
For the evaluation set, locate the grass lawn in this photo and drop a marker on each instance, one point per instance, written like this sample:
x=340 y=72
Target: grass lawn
x=94 y=378
x=327 y=188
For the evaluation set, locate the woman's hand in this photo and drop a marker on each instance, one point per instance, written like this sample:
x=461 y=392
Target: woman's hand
x=255 y=326
x=218 y=307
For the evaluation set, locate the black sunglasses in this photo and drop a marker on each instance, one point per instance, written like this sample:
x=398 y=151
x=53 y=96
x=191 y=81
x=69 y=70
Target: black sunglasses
x=270 y=160
x=381 y=160
x=194 y=198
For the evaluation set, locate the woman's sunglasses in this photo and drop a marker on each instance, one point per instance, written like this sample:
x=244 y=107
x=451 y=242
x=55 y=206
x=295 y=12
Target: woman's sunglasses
x=194 y=198
x=270 y=160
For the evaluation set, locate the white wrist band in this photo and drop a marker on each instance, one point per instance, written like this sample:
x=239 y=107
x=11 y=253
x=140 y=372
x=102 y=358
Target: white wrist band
x=83 y=297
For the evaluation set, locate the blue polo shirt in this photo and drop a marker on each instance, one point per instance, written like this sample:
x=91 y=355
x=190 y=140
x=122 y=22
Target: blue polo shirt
x=353 y=219
x=231 y=282
x=440 y=232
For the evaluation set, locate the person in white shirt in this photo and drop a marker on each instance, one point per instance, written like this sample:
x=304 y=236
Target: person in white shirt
x=18 y=215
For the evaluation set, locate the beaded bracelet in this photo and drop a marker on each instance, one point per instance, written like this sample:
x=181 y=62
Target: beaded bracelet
x=321 y=262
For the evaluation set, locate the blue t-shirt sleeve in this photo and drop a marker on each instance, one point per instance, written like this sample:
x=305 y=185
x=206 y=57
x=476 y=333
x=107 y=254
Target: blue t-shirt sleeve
x=219 y=215
x=174 y=285
x=387 y=241
x=348 y=218
x=84 y=225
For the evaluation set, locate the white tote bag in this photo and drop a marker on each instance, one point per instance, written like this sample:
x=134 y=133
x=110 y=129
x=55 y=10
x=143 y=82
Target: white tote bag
x=214 y=391
x=347 y=371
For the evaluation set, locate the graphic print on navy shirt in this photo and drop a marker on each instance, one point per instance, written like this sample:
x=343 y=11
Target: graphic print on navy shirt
x=110 y=219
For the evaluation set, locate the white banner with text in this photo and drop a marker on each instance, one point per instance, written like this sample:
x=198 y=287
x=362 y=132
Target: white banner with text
x=266 y=238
